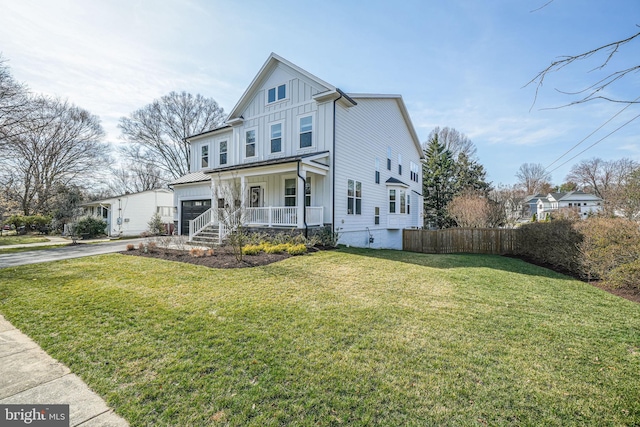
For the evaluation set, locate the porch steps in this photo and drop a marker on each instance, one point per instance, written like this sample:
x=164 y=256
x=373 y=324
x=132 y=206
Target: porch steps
x=209 y=236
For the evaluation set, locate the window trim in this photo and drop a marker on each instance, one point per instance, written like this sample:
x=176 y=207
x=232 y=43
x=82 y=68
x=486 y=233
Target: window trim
x=313 y=125
x=276 y=94
x=255 y=142
x=354 y=198
x=225 y=152
x=204 y=156
x=269 y=128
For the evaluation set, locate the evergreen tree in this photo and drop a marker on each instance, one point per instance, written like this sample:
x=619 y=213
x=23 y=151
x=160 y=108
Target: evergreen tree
x=438 y=171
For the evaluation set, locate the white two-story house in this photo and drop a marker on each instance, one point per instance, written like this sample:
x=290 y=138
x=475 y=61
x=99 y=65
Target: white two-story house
x=583 y=204
x=305 y=155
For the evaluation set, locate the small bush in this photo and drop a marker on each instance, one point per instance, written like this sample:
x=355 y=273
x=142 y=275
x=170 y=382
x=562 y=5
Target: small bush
x=152 y=246
x=210 y=252
x=197 y=252
x=131 y=247
x=251 y=249
x=276 y=249
x=298 y=249
x=91 y=226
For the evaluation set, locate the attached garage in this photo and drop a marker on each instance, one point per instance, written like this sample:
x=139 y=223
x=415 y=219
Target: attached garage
x=191 y=209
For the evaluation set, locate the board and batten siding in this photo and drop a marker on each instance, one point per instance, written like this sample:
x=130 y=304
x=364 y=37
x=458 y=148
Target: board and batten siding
x=364 y=132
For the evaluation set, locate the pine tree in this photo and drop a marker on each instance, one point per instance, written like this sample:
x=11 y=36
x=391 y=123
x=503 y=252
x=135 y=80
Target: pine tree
x=438 y=171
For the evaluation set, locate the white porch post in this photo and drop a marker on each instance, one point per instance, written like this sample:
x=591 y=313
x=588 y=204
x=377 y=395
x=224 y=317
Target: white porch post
x=300 y=202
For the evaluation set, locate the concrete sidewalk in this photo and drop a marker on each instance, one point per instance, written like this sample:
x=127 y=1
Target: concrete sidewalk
x=28 y=375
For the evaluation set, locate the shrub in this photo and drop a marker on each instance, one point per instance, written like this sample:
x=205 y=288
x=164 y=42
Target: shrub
x=298 y=249
x=91 y=226
x=131 y=247
x=156 y=226
x=251 y=249
x=554 y=242
x=276 y=249
x=610 y=249
x=197 y=252
x=152 y=246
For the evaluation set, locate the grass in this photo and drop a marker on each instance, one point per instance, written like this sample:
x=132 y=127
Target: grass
x=349 y=337
x=20 y=240
x=28 y=249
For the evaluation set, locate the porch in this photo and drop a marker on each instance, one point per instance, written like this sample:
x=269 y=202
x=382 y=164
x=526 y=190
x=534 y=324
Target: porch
x=220 y=222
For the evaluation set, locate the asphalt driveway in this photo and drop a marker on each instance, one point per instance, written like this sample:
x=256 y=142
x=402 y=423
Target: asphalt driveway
x=66 y=252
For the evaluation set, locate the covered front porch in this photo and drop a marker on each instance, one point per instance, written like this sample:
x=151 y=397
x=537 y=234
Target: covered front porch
x=287 y=193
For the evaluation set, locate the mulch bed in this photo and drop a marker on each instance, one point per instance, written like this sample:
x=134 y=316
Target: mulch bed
x=222 y=257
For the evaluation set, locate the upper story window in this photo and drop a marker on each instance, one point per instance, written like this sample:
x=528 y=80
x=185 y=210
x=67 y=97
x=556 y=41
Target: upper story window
x=276 y=93
x=306 y=132
x=223 y=152
x=399 y=164
x=250 y=143
x=275 y=136
x=377 y=170
x=415 y=172
x=389 y=158
x=204 y=156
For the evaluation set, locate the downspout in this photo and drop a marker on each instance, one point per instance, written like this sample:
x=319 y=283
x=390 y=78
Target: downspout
x=304 y=208
x=333 y=169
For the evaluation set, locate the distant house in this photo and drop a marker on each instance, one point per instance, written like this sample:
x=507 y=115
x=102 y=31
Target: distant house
x=129 y=214
x=306 y=155
x=580 y=202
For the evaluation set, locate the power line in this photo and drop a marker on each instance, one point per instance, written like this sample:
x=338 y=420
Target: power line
x=587 y=137
x=597 y=142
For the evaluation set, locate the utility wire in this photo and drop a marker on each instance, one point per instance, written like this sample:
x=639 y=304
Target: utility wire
x=597 y=142
x=587 y=137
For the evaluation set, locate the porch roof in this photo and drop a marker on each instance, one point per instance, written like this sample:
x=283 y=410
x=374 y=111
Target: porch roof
x=270 y=162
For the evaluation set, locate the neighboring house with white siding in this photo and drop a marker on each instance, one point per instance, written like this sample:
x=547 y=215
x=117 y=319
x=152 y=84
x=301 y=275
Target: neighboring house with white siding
x=129 y=214
x=307 y=155
x=583 y=204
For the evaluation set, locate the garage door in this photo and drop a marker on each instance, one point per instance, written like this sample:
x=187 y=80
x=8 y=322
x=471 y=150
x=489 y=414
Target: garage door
x=191 y=209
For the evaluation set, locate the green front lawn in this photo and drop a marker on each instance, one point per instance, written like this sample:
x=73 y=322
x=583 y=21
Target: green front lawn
x=21 y=240
x=349 y=337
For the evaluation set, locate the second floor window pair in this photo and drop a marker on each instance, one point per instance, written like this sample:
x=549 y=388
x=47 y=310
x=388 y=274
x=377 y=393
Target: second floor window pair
x=305 y=132
x=276 y=93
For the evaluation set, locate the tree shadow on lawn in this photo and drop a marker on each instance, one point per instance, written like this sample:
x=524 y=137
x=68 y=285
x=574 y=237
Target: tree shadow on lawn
x=462 y=260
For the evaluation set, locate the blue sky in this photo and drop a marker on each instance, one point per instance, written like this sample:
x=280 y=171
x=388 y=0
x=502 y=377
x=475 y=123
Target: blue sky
x=457 y=63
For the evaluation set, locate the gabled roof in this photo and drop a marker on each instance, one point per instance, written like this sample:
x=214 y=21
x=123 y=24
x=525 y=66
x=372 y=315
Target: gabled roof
x=209 y=132
x=263 y=74
x=395 y=181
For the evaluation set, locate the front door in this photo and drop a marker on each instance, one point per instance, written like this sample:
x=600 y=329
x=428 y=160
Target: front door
x=255 y=197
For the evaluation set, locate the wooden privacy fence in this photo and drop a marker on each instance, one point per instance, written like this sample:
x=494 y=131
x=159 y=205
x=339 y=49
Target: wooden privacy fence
x=497 y=241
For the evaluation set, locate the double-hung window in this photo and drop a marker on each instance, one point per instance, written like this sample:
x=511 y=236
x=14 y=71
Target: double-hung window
x=276 y=137
x=306 y=131
x=376 y=215
x=223 y=152
x=204 y=156
x=415 y=172
x=250 y=143
x=388 y=158
x=276 y=93
x=354 y=197
x=392 y=201
x=377 y=170
x=290 y=192
x=307 y=191
x=403 y=201
x=399 y=164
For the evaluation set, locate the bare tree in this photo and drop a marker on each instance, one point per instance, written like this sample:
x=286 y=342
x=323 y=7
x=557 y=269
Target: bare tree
x=511 y=200
x=625 y=199
x=232 y=213
x=600 y=176
x=599 y=88
x=456 y=142
x=57 y=144
x=136 y=177
x=15 y=104
x=473 y=211
x=160 y=129
x=533 y=177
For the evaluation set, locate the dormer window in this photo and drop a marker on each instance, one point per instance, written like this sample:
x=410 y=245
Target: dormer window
x=276 y=94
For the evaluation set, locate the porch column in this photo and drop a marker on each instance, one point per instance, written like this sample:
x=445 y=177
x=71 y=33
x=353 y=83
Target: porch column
x=243 y=187
x=300 y=202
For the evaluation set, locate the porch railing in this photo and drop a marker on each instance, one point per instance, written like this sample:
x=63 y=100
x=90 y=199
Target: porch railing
x=283 y=216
